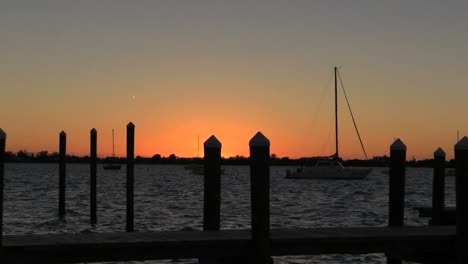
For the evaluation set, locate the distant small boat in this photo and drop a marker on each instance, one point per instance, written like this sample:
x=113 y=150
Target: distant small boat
x=112 y=165
x=197 y=169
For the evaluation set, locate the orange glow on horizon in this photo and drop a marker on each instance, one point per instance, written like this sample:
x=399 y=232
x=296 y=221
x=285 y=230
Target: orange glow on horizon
x=182 y=141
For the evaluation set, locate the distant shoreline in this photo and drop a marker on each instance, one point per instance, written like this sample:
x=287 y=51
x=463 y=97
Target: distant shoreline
x=241 y=161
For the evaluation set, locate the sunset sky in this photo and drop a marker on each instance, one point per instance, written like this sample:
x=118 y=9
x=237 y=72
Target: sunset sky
x=183 y=69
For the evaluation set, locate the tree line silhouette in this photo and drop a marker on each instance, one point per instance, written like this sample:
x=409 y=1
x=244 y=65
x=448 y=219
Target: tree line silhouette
x=24 y=156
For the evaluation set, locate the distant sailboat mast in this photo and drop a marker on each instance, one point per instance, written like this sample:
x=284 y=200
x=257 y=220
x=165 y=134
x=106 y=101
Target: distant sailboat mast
x=113 y=153
x=336 y=117
x=112 y=162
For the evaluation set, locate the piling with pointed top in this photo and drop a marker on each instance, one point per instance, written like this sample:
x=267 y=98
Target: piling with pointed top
x=396 y=199
x=212 y=184
x=93 y=166
x=130 y=175
x=62 y=172
x=438 y=187
x=260 y=197
x=2 y=175
x=461 y=180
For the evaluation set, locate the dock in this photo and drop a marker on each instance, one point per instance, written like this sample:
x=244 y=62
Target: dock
x=125 y=246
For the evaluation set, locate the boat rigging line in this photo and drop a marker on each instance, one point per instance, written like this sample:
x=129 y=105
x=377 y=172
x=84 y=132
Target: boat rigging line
x=351 y=112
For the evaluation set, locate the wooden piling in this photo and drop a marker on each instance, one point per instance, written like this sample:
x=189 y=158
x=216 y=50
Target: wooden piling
x=396 y=199
x=93 y=166
x=212 y=184
x=62 y=172
x=438 y=187
x=2 y=176
x=260 y=197
x=461 y=180
x=130 y=175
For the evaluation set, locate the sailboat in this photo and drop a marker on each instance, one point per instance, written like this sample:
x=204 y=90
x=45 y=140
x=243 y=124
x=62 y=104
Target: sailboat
x=195 y=168
x=331 y=167
x=112 y=165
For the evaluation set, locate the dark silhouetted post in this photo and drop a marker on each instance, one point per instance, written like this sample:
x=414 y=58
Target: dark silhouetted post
x=212 y=184
x=62 y=172
x=212 y=189
x=130 y=175
x=2 y=176
x=260 y=197
x=438 y=187
x=461 y=174
x=93 y=166
x=397 y=188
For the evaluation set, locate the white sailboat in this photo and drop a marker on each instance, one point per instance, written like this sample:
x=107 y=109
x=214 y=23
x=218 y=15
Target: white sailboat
x=331 y=168
x=112 y=165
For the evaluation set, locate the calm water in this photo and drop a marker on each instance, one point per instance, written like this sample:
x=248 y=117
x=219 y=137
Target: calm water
x=170 y=198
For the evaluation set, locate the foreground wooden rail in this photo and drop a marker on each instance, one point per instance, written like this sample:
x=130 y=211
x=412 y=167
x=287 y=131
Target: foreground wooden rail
x=424 y=244
x=406 y=242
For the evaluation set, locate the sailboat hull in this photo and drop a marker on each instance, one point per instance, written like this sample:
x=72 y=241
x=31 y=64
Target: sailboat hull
x=329 y=173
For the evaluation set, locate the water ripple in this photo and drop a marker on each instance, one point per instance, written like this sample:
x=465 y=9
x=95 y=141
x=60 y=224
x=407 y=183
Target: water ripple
x=169 y=198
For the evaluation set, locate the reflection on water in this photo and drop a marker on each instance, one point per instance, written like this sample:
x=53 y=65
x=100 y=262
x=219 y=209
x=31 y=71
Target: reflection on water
x=170 y=198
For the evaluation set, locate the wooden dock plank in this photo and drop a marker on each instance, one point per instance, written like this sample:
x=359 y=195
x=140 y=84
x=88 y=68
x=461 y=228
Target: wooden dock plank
x=363 y=240
x=91 y=247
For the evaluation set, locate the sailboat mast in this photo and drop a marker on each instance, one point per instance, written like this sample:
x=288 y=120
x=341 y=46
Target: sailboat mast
x=113 y=154
x=336 y=116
